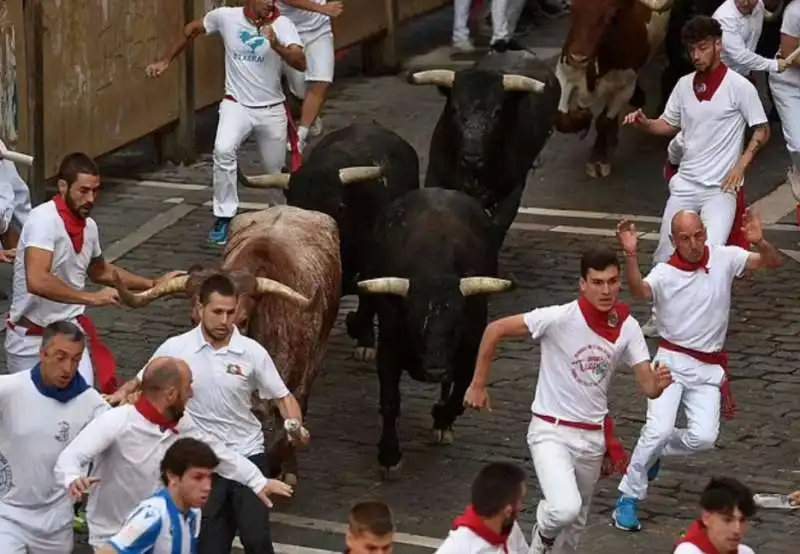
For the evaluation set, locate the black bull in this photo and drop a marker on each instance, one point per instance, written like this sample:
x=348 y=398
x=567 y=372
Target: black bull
x=352 y=174
x=497 y=119
x=433 y=263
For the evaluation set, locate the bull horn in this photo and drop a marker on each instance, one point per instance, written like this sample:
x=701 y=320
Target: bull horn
x=658 y=5
x=438 y=77
x=270 y=181
x=483 y=285
x=349 y=175
x=175 y=285
x=268 y=286
x=385 y=285
x=520 y=83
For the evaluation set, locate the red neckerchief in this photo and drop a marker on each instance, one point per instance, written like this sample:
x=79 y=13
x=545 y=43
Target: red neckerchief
x=706 y=85
x=697 y=536
x=472 y=521
x=149 y=412
x=73 y=224
x=676 y=261
x=606 y=324
x=260 y=22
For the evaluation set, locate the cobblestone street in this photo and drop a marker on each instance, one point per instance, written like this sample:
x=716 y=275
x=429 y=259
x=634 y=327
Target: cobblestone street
x=563 y=212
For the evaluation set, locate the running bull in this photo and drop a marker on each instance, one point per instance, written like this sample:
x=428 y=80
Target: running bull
x=495 y=123
x=433 y=263
x=608 y=43
x=352 y=175
x=278 y=245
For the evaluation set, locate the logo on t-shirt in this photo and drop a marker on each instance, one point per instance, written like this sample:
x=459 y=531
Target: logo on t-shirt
x=591 y=365
x=234 y=369
x=6 y=476
x=253 y=41
x=62 y=435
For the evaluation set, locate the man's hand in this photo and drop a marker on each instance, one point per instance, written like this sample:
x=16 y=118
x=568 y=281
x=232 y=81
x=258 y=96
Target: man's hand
x=753 y=226
x=81 y=486
x=333 y=9
x=104 y=297
x=734 y=180
x=795 y=496
x=782 y=65
x=663 y=377
x=119 y=398
x=7 y=256
x=626 y=235
x=274 y=487
x=269 y=32
x=477 y=398
x=155 y=70
x=637 y=119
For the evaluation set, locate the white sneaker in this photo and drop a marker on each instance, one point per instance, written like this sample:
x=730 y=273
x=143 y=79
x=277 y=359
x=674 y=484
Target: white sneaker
x=464 y=46
x=316 y=129
x=538 y=544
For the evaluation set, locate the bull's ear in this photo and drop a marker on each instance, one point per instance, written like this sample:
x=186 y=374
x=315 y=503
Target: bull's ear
x=444 y=91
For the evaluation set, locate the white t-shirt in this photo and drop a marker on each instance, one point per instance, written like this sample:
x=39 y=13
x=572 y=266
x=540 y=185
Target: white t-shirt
x=127 y=450
x=151 y=528
x=252 y=68
x=693 y=307
x=689 y=548
x=740 y=34
x=713 y=131
x=310 y=25
x=223 y=382
x=464 y=541
x=34 y=430
x=790 y=26
x=45 y=230
x=577 y=363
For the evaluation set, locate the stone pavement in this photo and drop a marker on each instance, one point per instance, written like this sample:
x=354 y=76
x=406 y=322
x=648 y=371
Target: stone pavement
x=563 y=212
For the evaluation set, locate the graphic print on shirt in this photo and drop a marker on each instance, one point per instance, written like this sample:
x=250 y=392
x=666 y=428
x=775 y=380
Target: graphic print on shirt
x=62 y=435
x=234 y=369
x=591 y=365
x=253 y=41
x=6 y=477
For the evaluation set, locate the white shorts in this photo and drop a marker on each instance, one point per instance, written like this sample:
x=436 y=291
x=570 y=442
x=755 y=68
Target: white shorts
x=15 y=539
x=320 y=64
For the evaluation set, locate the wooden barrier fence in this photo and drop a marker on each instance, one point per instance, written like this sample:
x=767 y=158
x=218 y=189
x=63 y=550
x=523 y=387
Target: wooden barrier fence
x=72 y=72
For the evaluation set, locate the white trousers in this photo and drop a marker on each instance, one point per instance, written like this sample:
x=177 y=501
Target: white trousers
x=15 y=198
x=15 y=539
x=505 y=16
x=320 y=62
x=716 y=208
x=22 y=353
x=786 y=95
x=696 y=387
x=236 y=123
x=568 y=462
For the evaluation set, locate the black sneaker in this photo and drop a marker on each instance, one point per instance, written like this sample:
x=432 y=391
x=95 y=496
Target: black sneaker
x=506 y=46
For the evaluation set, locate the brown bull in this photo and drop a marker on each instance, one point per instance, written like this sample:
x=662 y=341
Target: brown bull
x=609 y=42
x=278 y=245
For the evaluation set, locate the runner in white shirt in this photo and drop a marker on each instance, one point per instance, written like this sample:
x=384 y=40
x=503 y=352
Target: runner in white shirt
x=58 y=250
x=127 y=443
x=712 y=108
x=489 y=524
x=727 y=508
x=571 y=435
x=785 y=89
x=41 y=410
x=741 y=22
x=313 y=21
x=257 y=42
x=692 y=295
x=15 y=202
x=169 y=521
x=227 y=368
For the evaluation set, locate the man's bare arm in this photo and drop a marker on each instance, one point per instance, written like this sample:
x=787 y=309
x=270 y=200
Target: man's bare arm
x=41 y=282
x=496 y=331
x=767 y=257
x=661 y=128
x=191 y=31
x=636 y=283
x=759 y=139
x=292 y=55
x=102 y=273
x=289 y=408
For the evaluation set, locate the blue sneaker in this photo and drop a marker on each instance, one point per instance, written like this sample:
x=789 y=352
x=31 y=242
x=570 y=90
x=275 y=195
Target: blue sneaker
x=219 y=234
x=624 y=516
x=652 y=473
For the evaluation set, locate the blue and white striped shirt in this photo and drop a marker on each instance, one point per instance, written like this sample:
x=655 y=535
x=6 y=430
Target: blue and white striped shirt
x=158 y=526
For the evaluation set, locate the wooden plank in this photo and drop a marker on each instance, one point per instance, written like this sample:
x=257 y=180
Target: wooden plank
x=380 y=54
x=409 y=9
x=34 y=37
x=186 y=96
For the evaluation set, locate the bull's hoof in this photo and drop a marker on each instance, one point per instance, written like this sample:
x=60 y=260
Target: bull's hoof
x=598 y=170
x=443 y=436
x=364 y=354
x=391 y=472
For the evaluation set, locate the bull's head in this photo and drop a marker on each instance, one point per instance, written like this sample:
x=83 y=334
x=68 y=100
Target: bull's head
x=590 y=20
x=435 y=315
x=474 y=114
x=317 y=189
x=248 y=286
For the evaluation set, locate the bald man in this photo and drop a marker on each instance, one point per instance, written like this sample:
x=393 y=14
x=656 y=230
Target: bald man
x=692 y=294
x=128 y=443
